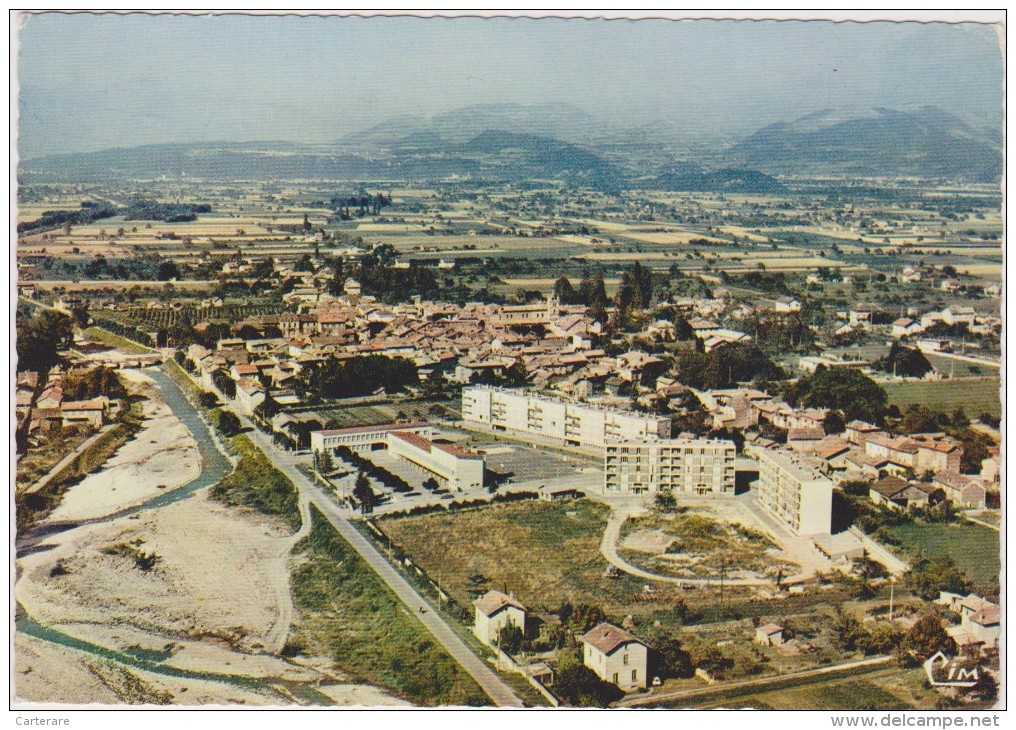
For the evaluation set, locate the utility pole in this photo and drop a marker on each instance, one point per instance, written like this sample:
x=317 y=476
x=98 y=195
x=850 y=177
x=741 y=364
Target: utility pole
x=892 y=586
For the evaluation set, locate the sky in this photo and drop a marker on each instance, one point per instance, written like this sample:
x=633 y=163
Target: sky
x=90 y=82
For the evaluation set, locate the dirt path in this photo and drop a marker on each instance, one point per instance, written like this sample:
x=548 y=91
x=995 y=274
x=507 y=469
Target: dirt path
x=276 y=637
x=623 y=510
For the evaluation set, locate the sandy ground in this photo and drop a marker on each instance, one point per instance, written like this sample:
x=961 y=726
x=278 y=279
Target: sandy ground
x=163 y=455
x=648 y=541
x=90 y=680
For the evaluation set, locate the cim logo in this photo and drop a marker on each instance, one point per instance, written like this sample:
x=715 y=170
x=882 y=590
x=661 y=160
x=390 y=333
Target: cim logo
x=946 y=671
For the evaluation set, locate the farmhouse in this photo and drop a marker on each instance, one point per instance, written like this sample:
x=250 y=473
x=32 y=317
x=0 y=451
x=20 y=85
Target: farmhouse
x=616 y=657
x=495 y=610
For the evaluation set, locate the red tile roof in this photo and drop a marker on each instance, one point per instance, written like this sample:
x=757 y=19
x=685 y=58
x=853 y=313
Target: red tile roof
x=607 y=638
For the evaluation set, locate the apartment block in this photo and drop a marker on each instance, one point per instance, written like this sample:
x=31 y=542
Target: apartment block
x=685 y=466
x=572 y=423
x=795 y=493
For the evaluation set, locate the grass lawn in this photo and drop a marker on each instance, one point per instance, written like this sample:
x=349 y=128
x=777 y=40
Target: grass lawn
x=545 y=553
x=973 y=396
x=974 y=548
x=347 y=614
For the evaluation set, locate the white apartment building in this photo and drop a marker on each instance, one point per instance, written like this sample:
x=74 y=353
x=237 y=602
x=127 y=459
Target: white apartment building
x=574 y=424
x=686 y=466
x=795 y=493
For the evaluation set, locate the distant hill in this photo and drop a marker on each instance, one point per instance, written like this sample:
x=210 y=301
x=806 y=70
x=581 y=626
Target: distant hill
x=718 y=181
x=926 y=142
x=557 y=120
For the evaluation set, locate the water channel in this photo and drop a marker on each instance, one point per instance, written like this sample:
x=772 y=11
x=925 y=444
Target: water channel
x=214 y=466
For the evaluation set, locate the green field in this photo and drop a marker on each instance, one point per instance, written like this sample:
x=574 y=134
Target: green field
x=349 y=616
x=975 y=549
x=973 y=396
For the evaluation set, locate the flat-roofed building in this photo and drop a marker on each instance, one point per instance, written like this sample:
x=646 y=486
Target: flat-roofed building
x=795 y=493
x=686 y=466
x=457 y=467
x=362 y=438
x=574 y=424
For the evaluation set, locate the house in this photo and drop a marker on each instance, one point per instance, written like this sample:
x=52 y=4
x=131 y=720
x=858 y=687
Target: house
x=250 y=394
x=769 y=635
x=806 y=438
x=92 y=412
x=861 y=314
x=495 y=610
x=963 y=492
x=616 y=656
x=788 y=304
x=949 y=285
x=905 y=327
x=895 y=492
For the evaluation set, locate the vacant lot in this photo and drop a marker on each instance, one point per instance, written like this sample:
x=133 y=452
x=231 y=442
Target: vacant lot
x=693 y=546
x=545 y=553
x=973 y=396
x=975 y=549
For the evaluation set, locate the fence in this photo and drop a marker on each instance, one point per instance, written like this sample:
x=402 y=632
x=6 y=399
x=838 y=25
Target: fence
x=513 y=666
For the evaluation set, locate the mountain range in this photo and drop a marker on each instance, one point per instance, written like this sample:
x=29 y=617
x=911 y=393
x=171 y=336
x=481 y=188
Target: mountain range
x=511 y=142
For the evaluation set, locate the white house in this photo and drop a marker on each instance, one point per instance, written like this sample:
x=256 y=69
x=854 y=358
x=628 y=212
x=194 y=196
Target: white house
x=494 y=611
x=616 y=657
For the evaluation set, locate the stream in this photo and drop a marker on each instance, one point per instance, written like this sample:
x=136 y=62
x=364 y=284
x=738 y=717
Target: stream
x=214 y=466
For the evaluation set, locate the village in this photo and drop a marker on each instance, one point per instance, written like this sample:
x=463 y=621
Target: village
x=422 y=409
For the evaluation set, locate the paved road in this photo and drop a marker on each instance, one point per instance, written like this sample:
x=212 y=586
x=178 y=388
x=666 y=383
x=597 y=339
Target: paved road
x=499 y=692
x=762 y=683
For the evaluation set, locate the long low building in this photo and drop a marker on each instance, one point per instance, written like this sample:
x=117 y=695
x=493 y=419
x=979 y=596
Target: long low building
x=362 y=438
x=573 y=424
x=795 y=493
x=459 y=468
x=685 y=466
x=414 y=443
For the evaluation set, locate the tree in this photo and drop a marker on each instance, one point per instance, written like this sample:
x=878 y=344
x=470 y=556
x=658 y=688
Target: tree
x=363 y=493
x=579 y=686
x=672 y=660
x=866 y=568
x=925 y=637
x=435 y=384
x=834 y=423
x=40 y=338
x=929 y=576
x=564 y=291
x=228 y=423
x=904 y=362
x=850 y=391
x=207 y=399
x=510 y=639
x=168 y=271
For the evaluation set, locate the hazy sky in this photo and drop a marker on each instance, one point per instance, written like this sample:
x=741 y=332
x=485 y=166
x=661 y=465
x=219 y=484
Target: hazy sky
x=91 y=82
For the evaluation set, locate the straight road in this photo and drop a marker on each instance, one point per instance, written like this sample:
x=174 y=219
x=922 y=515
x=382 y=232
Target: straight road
x=499 y=692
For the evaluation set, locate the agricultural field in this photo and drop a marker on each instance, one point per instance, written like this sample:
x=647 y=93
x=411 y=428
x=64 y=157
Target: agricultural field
x=975 y=549
x=973 y=396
